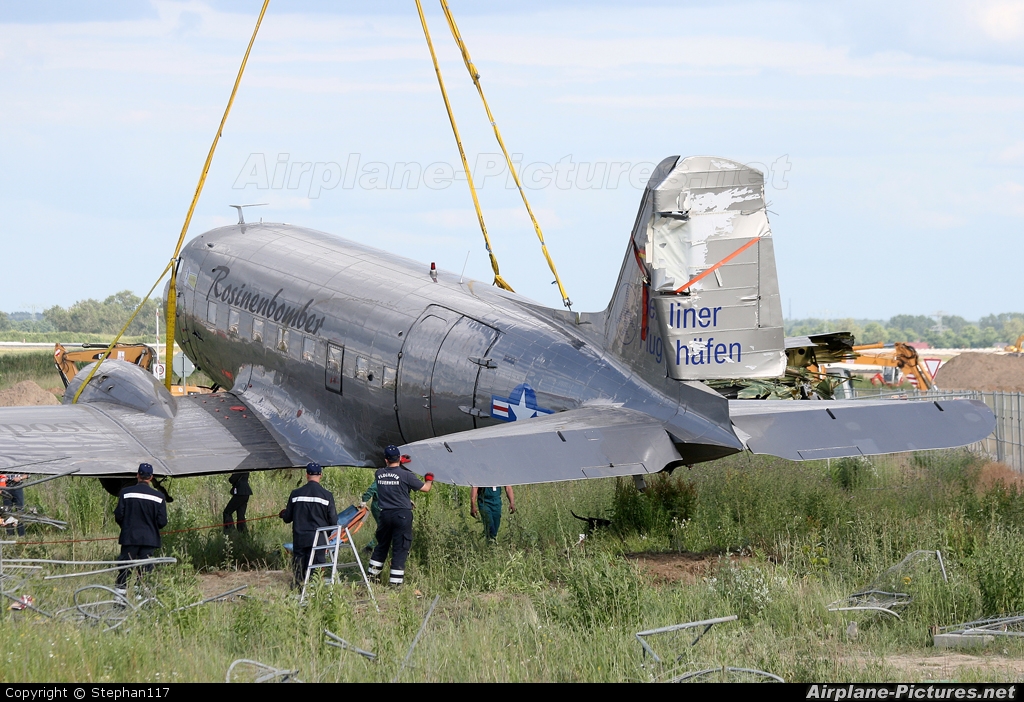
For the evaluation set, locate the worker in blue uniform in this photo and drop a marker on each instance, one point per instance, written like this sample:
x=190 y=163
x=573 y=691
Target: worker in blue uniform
x=234 y=511
x=489 y=501
x=309 y=508
x=141 y=513
x=395 y=482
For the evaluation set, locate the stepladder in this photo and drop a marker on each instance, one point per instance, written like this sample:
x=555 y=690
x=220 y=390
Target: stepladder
x=327 y=544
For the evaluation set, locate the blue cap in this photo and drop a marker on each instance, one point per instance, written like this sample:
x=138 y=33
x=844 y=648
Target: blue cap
x=314 y=469
x=145 y=469
x=391 y=452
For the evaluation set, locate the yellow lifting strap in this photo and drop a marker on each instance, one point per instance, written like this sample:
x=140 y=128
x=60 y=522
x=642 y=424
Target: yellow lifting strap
x=172 y=290
x=498 y=280
x=475 y=75
x=172 y=264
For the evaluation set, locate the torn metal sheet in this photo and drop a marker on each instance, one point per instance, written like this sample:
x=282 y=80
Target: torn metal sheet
x=709 y=216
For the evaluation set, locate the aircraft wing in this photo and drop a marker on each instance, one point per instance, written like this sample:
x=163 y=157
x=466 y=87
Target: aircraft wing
x=803 y=430
x=590 y=442
x=207 y=434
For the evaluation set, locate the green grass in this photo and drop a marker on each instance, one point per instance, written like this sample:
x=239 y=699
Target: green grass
x=19 y=364
x=23 y=364
x=785 y=540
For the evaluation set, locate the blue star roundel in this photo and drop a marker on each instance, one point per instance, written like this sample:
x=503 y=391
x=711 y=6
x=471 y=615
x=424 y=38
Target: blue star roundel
x=520 y=404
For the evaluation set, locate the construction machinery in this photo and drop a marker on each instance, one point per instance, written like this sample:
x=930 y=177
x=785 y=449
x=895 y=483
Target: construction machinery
x=140 y=354
x=899 y=355
x=1017 y=346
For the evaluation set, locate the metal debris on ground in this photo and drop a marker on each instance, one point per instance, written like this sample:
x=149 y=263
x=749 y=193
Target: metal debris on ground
x=13 y=575
x=111 y=565
x=28 y=604
x=11 y=518
x=245 y=670
x=102 y=605
x=416 y=640
x=727 y=672
x=979 y=631
x=882 y=595
x=216 y=598
x=111 y=608
x=338 y=642
x=706 y=623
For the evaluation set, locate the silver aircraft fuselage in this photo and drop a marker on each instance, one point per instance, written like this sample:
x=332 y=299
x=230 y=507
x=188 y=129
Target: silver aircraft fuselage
x=343 y=345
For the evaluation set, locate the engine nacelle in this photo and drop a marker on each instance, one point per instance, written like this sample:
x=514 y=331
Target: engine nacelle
x=125 y=384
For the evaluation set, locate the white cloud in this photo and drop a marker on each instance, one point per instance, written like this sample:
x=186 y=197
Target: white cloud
x=1002 y=20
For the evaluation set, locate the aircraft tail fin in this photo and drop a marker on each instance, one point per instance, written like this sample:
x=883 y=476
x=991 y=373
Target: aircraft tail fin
x=698 y=295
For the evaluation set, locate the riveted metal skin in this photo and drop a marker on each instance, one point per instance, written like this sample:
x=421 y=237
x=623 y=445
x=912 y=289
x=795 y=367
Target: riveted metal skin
x=421 y=359
x=332 y=350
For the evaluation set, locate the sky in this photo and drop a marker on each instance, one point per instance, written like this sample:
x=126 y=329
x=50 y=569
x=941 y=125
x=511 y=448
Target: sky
x=890 y=134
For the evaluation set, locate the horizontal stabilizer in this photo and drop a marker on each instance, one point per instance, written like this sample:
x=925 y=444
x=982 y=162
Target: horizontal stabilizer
x=811 y=430
x=590 y=442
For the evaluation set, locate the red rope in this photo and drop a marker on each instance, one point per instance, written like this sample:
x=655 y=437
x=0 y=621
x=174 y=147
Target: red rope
x=166 y=533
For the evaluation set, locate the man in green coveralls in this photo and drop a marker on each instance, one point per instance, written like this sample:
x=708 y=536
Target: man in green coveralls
x=489 y=499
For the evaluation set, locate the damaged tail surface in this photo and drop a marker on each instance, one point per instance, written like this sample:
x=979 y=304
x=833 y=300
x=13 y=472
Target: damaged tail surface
x=698 y=295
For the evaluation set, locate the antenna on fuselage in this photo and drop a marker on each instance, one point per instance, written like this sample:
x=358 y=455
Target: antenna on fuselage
x=241 y=219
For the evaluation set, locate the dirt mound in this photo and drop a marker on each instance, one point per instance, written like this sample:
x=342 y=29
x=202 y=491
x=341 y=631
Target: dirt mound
x=684 y=567
x=993 y=474
x=982 y=371
x=221 y=581
x=26 y=393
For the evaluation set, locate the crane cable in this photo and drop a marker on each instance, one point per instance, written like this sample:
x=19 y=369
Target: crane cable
x=498 y=280
x=172 y=264
x=475 y=76
x=172 y=290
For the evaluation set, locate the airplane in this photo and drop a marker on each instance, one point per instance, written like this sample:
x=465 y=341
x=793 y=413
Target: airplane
x=332 y=349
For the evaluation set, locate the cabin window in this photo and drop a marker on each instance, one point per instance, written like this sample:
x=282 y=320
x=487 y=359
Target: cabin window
x=233 y=322
x=282 y=340
x=308 y=349
x=362 y=367
x=335 y=355
x=211 y=313
x=257 y=330
x=388 y=378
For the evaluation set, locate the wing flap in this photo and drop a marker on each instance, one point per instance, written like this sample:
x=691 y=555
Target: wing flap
x=594 y=441
x=809 y=430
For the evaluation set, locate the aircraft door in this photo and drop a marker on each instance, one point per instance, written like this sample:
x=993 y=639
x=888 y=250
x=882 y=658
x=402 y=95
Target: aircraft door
x=415 y=368
x=460 y=360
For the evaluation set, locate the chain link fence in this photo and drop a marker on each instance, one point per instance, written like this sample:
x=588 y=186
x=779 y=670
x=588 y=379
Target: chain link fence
x=1005 y=444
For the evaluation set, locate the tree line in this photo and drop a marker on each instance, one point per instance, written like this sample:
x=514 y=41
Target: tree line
x=109 y=315
x=946 y=332
x=91 y=317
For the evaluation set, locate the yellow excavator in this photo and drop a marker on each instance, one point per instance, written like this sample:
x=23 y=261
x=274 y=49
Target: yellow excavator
x=901 y=356
x=140 y=354
x=1017 y=346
